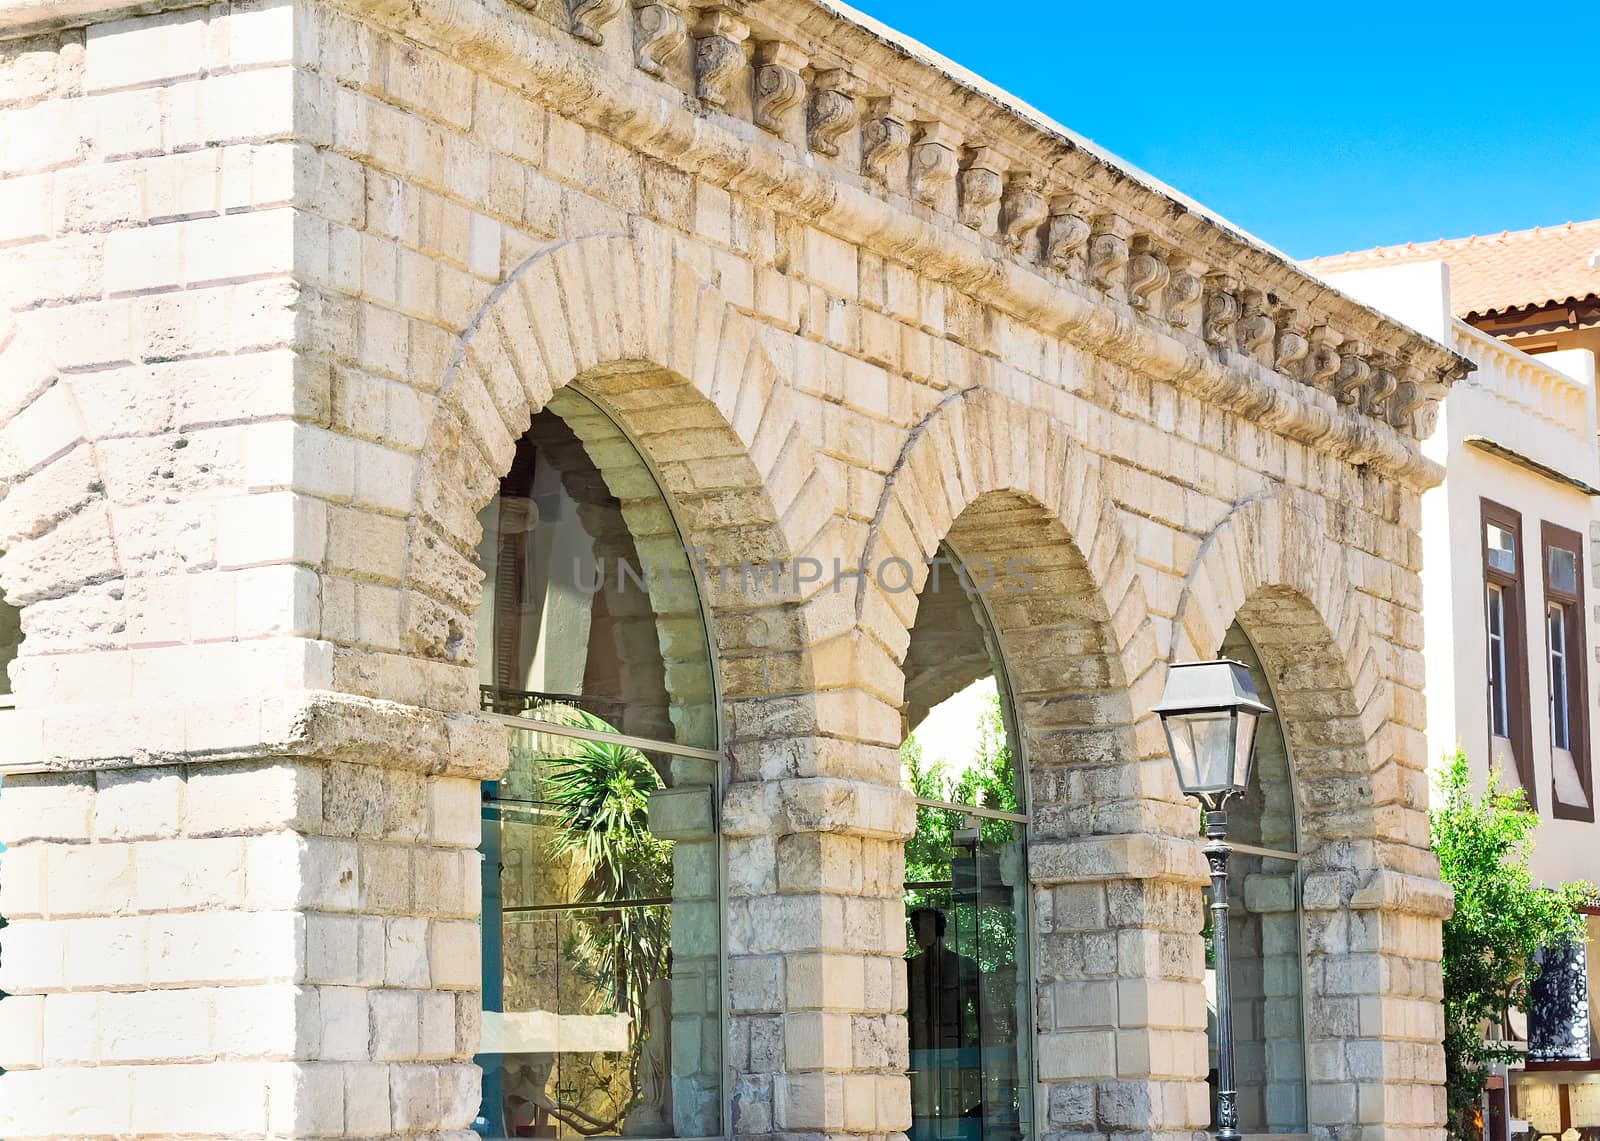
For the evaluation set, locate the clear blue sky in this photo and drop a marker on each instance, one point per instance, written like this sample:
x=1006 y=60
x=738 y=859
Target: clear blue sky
x=1319 y=128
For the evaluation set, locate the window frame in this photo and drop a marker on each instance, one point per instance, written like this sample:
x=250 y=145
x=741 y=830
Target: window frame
x=1555 y=537
x=1515 y=636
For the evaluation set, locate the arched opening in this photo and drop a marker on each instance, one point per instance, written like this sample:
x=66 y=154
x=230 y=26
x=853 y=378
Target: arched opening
x=966 y=888
x=1265 y=928
x=602 y=918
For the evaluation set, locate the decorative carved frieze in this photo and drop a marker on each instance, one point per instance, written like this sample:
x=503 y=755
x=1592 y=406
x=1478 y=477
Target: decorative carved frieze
x=661 y=32
x=778 y=84
x=1324 y=357
x=1022 y=211
x=981 y=186
x=884 y=139
x=589 y=16
x=1148 y=273
x=1379 y=388
x=1409 y=396
x=1221 y=307
x=933 y=164
x=1181 y=297
x=719 y=54
x=833 y=110
x=1067 y=233
x=1353 y=373
x=1108 y=251
x=1256 y=328
x=1294 y=342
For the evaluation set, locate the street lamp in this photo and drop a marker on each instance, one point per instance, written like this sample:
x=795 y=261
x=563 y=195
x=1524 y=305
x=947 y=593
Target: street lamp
x=1210 y=712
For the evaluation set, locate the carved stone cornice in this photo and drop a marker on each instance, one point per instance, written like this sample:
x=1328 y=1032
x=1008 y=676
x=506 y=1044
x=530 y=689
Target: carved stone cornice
x=1324 y=358
x=1067 y=235
x=1148 y=273
x=833 y=110
x=933 y=165
x=1022 y=211
x=885 y=138
x=1221 y=307
x=1185 y=288
x=661 y=31
x=981 y=186
x=778 y=84
x=594 y=91
x=1294 y=342
x=589 y=16
x=1379 y=388
x=1410 y=396
x=1354 y=371
x=1108 y=252
x=1256 y=327
x=719 y=53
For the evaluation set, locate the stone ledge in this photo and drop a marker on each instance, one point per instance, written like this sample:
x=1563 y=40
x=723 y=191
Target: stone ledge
x=1383 y=890
x=818 y=804
x=1102 y=858
x=305 y=724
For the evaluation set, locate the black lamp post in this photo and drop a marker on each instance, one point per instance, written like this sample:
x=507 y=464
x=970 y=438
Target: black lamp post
x=1210 y=711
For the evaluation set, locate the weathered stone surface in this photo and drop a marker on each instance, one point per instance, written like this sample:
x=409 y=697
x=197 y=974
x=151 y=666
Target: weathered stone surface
x=285 y=283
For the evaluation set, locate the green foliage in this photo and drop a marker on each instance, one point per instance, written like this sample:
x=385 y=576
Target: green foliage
x=989 y=782
x=1501 y=919
x=601 y=796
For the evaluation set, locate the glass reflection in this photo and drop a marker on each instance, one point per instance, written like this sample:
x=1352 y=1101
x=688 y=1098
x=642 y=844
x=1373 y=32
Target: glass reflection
x=966 y=877
x=601 y=1008
x=589 y=597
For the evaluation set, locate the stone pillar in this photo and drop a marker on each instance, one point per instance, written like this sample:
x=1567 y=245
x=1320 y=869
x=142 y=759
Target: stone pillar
x=816 y=940
x=266 y=946
x=1121 y=1007
x=1377 y=1019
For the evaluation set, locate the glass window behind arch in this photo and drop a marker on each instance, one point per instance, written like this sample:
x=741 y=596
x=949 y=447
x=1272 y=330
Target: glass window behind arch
x=966 y=888
x=1265 y=932
x=590 y=601
x=601 y=865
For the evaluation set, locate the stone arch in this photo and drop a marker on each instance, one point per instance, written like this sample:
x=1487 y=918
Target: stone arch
x=1271 y=566
x=979 y=451
x=687 y=379
x=53 y=498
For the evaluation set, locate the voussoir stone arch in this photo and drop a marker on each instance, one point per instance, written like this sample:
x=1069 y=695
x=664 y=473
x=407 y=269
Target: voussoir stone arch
x=1272 y=567
x=686 y=377
x=979 y=443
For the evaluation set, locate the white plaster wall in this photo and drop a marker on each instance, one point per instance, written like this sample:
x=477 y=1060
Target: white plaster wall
x=1542 y=408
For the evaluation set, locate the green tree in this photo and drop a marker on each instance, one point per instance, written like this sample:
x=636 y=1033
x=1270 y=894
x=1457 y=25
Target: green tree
x=1502 y=917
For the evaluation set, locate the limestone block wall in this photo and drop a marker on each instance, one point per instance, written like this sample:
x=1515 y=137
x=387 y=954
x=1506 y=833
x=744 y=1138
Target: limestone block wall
x=293 y=278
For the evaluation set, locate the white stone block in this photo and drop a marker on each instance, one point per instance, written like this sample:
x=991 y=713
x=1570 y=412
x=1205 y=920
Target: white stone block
x=71 y=1029
x=155 y=1025
x=396 y=1024
x=138 y=804
x=219 y=1098
x=226 y=947
x=252 y=797
x=144 y=50
x=271 y=527
x=305 y=1099
x=22 y=1031
x=343 y=1024
x=274 y=1021
x=56 y=807
x=189 y=873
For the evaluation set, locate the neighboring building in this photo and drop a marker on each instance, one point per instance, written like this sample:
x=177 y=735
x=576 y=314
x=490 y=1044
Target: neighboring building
x=1511 y=553
x=471 y=476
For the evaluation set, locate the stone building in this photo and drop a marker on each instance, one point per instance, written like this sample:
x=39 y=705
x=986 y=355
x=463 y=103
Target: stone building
x=354 y=344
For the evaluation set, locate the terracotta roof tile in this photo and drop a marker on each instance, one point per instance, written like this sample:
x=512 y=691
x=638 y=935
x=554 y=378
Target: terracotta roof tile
x=1495 y=272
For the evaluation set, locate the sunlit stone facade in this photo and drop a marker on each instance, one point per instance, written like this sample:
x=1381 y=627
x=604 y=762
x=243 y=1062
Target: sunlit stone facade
x=288 y=281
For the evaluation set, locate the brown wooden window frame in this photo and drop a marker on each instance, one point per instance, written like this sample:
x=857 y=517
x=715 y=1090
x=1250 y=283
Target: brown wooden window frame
x=1519 y=719
x=1555 y=537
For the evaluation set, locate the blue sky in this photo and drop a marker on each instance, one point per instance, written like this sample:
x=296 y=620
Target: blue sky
x=1319 y=128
